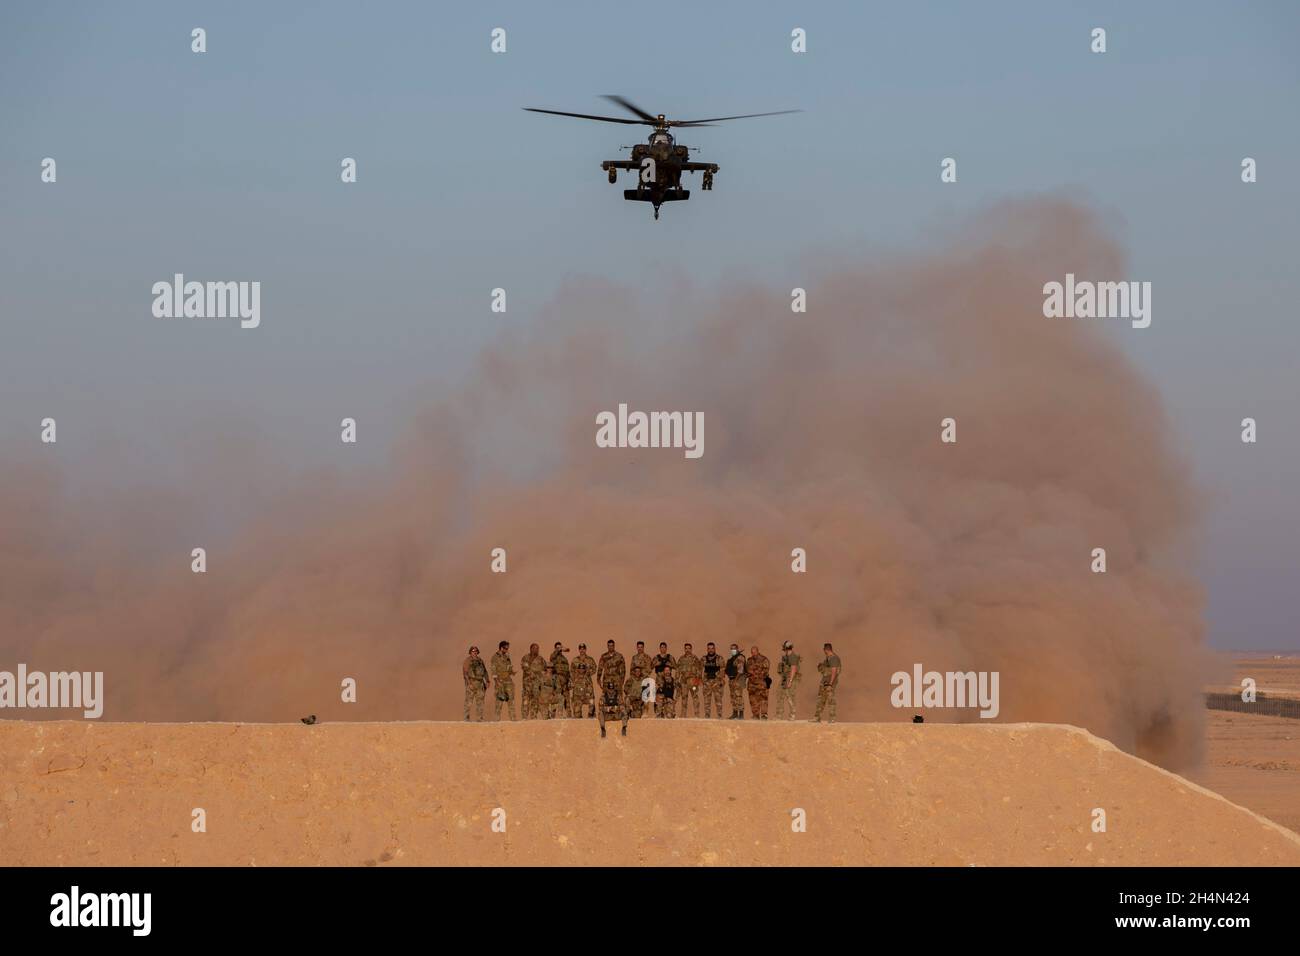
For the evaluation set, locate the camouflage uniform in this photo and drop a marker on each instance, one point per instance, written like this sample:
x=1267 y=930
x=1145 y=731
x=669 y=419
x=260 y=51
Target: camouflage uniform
x=643 y=661
x=583 y=695
x=476 y=681
x=665 y=694
x=632 y=694
x=660 y=666
x=788 y=665
x=611 y=703
x=826 y=692
x=756 y=669
x=560 y=664
x=736 y=685
x=534 y=671
x=691 y=672
x=503 y=676
x=712 y=663
x=611 y=664
x=548 y=698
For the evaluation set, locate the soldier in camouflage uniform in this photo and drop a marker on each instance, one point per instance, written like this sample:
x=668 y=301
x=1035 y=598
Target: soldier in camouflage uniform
x=581 y=674
x=788 y=668
x=548 y=699
x=611 y=664
x=756 y=669
x=533 y=667
x=736 y=683
x=560 y=664
x=632 y=693
x=503 y=671
x=476 y=680
x=611 y=702
x=690 y=673
x=641 y=659
x=712 y=664
x=830 y=671
x=662 y=662
x=666 y=693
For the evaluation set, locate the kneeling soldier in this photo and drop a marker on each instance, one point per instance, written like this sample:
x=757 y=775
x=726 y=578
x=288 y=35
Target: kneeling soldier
x=611 y=705
x=666 y=694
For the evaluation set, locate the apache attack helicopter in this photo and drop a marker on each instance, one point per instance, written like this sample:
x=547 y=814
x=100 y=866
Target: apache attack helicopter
x=660 y=162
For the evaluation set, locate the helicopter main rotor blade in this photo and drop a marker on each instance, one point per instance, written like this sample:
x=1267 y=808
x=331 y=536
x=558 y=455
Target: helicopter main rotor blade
x=632 y=108
x=603 y=119
x=719 y=119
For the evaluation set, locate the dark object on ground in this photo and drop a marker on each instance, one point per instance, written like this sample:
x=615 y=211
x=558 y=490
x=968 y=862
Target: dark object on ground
x=1262 y=704
x=918 y=719
x=309 y=720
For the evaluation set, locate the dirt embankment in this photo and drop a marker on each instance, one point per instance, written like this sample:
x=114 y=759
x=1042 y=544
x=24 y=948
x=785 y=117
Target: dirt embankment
x=671 y=793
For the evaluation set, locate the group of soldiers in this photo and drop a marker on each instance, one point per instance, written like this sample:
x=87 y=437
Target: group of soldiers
x=557 y=687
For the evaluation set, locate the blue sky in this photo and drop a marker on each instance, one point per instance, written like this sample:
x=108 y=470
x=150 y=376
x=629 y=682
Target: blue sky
x=168 y=159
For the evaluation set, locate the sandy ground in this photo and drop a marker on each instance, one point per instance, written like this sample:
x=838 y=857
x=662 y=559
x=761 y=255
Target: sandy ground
x=1274 y=675
x=1255 y=762
x=672 y=793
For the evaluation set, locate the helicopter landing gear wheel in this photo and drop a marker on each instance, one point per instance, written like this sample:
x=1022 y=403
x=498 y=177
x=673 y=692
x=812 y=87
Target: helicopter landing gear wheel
x=708 y=182
x=613 y=175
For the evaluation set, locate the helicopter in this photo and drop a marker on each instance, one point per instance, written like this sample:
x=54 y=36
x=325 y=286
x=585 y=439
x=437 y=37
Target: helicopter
x=659 y=162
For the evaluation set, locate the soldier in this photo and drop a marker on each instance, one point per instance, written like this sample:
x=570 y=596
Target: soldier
x=476 y=680
x=641 y=659
x=830 y=671
x=560 y=664
x=788 y=668
x=756 y=669
x=534 y=669
x=611 y=701
x=735 y=671
x=611 y=664
x=712 y=665
x=581 y=673
x=690 y=671
x=663 y=659
x=666 y=693
x=632 y=693
x=546 y=694
x=503 y=671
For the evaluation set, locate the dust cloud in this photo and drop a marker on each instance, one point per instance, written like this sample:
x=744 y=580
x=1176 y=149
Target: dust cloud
x=822 y=432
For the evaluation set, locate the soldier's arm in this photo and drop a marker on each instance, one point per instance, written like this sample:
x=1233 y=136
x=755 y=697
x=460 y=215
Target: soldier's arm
x=835 y=676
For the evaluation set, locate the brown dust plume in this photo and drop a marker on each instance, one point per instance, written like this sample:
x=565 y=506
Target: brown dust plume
x=821 y=432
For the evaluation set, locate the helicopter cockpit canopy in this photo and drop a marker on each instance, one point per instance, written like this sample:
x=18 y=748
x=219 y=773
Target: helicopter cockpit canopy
x=657 y=138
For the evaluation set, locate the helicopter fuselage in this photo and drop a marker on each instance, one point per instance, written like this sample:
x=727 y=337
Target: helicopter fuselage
x=658 y=164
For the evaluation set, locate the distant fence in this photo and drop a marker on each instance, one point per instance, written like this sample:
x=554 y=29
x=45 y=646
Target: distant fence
x=1263 y=705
